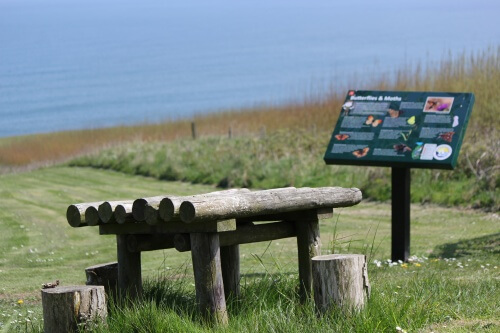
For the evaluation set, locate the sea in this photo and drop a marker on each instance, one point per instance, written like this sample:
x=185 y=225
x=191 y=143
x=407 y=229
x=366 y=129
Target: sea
x=81 y=64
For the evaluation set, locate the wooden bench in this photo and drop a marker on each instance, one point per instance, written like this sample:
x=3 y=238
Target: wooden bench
x=212 y=226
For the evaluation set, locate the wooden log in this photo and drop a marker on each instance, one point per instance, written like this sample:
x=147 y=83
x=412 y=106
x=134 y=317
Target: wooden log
x=140 y=243
x=151 y=215
x=75 y=214
x=73 y=308
x=129 y=270
x=340 y=280
x=92 y=216
x=320 y=213
x=267 y=202
x=166 y=228
x=139 y=205
x=230 y=265
x=105 y=275
x=208 y=277
x=169 y=208
x=244 y=234
x=182 y=242
x=123 y=213
x=107 y=208
x=308 y=246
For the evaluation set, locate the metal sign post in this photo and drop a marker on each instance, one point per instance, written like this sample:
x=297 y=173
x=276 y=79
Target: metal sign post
x=400 y=230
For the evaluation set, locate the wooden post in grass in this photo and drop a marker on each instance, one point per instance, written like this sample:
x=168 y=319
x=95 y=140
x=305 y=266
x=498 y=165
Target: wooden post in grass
x=205 y=253
x=129 y=270
x=193 y=130
x=72 y=308
x=340 y=280
x=230 y=265
x=308 y=246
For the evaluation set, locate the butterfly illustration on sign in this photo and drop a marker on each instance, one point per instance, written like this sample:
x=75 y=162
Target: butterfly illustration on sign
x=370 y=120
x=342 y=137
x=401 y=148
x=447 y=136
x=361 y=152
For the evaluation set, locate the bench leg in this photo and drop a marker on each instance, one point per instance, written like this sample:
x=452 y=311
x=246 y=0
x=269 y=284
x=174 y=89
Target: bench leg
x=230 y=263
x=308 y=246
x=205 y=253
x=129 y=270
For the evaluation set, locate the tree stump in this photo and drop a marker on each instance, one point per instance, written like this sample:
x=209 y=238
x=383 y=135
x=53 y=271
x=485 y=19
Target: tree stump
x=340 y=280
x=103 y=275
x=70 y=308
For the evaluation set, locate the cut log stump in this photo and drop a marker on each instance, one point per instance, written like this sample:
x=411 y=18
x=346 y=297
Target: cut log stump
x=103 y=275
x=73 y=308
x=340 y=280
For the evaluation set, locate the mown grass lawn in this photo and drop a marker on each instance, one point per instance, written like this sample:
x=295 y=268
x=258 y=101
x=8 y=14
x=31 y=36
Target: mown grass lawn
x=451 y=285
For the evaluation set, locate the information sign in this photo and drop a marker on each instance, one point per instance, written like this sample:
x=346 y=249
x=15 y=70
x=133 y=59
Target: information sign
x=400 y=129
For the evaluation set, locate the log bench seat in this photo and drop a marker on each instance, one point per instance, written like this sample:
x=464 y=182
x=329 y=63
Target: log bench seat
x=212 y=226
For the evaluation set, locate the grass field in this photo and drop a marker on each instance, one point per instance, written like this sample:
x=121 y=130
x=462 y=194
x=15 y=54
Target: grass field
x=451 y=284
x=459 y=293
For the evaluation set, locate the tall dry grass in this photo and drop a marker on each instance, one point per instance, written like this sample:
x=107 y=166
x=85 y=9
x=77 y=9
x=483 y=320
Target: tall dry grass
x=477 y=72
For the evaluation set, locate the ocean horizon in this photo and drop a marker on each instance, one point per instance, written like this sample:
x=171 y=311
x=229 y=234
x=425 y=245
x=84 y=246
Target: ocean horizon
x=90 y=64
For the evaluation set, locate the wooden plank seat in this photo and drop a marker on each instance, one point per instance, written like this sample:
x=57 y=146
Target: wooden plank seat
x=212 y=226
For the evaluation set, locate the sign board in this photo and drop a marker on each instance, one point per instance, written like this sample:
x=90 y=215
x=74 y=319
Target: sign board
x=400 y=129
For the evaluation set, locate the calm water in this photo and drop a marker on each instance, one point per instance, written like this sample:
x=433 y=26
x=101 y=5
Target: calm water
x=86 y=64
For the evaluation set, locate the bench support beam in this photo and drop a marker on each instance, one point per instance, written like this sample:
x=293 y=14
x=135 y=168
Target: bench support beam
x=230 y=264
x=308 y=246
x=129 y=270
x=205 y=253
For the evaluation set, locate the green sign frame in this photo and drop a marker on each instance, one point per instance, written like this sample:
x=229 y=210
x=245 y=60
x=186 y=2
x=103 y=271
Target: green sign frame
x=400 y=129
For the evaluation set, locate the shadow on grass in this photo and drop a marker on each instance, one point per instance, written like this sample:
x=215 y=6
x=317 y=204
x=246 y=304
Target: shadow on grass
x=168 y=293
x=480 y=246
x=178 y=295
